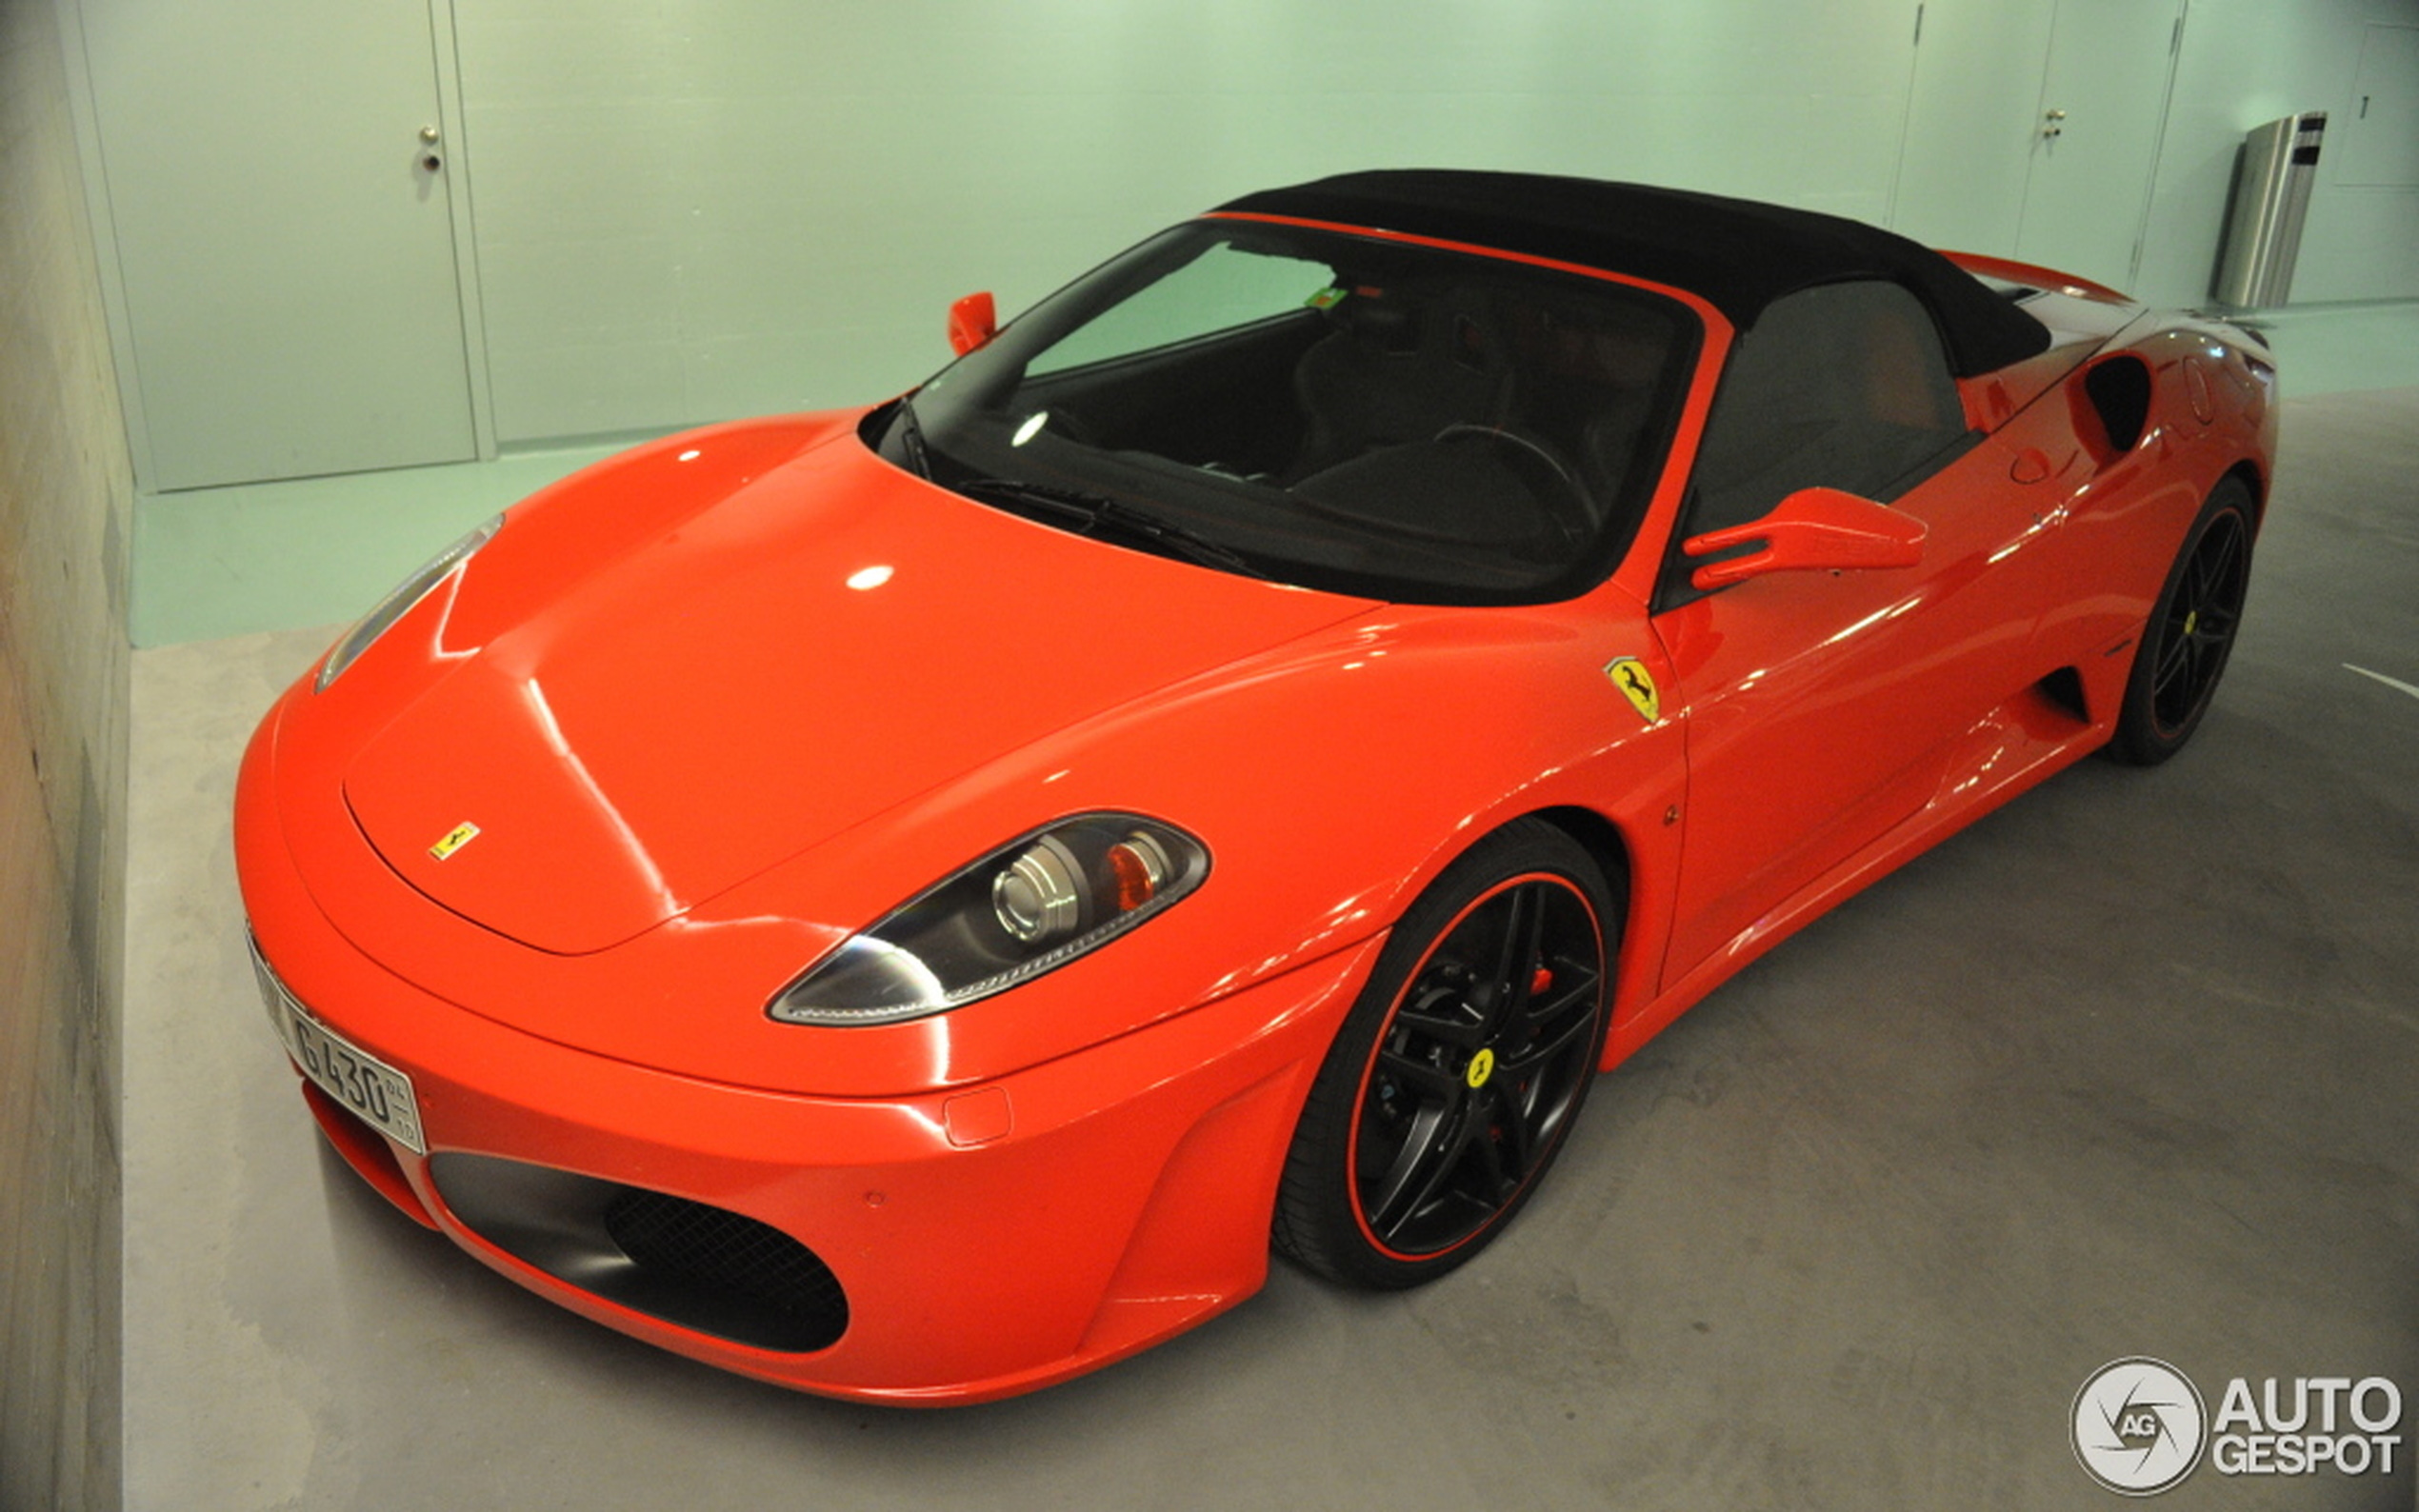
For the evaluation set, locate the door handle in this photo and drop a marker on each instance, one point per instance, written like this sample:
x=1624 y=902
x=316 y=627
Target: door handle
x=430 y=160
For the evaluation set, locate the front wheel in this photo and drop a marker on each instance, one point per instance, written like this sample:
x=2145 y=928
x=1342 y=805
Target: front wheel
x=2191 y=632
x=1460 y=1069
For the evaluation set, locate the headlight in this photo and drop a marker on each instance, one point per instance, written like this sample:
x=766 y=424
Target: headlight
x=390 y=608
x=1028 y=907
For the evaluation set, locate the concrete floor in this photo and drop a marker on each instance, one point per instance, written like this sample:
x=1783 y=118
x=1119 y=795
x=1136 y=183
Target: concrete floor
x=2131 y=1067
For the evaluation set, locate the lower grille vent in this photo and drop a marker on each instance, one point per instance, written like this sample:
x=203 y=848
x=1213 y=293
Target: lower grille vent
x=687 y=1263
x=726 y=1251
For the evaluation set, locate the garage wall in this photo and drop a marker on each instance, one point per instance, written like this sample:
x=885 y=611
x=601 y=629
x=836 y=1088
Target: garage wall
x=2247 y=62
x=692 y=210
x=687 y=211
x=64 y=492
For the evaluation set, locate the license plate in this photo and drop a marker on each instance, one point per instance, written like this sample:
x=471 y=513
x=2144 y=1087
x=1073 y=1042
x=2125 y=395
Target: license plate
x=378 y=1093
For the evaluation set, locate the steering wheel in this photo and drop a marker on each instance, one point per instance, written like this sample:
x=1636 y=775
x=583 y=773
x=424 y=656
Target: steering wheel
x=1576 y=518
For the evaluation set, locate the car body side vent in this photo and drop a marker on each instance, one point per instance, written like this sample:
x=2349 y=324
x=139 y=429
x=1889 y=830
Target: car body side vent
x=2064 y=688
x=2116 y=392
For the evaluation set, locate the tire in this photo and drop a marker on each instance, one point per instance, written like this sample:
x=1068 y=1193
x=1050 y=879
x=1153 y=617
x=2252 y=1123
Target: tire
x=1459 y=1070
x=2191 y=632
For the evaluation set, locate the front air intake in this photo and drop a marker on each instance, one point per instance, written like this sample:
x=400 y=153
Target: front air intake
x=686 y=1263
x=727 y=1252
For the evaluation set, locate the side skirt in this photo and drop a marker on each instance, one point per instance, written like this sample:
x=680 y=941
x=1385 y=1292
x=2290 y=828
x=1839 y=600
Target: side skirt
x=2014 y=748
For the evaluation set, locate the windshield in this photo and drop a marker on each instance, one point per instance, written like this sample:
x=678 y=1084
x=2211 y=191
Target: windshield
x=1337 y=411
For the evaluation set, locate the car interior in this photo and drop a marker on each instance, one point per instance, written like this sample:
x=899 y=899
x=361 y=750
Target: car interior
x=1435 y=410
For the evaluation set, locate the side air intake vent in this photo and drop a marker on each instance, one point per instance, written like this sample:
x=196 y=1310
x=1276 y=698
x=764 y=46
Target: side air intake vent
x=2064 y=688
x=2118 y=389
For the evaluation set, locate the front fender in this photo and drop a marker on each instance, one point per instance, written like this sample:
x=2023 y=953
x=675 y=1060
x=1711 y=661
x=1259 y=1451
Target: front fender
x=1330 y=779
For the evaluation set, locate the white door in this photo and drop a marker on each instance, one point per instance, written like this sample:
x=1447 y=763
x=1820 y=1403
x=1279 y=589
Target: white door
x=1985 y=167
x=283 y=235
x=2375 y=143
x=1966 y=144
x=2096 y=141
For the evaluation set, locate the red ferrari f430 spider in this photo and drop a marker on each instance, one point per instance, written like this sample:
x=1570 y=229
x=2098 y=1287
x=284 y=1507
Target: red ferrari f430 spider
x=909 y=903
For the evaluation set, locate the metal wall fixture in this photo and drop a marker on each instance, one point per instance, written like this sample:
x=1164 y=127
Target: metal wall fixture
x=2272 y=198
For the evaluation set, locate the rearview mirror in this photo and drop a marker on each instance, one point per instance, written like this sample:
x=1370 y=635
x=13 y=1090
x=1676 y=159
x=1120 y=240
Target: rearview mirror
x=1813 y=528
x=972 y=321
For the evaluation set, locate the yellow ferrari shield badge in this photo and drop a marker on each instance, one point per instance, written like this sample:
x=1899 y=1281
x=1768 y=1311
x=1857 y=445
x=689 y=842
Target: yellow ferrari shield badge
x=459 y=836
x=1637 y=685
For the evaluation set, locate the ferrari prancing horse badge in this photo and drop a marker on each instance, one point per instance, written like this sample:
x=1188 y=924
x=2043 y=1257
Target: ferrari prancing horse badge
x=1637 y=685
x=459 y=836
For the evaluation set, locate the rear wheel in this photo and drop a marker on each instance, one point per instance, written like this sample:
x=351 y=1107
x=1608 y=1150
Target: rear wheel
x=1460 y=1069
x=2191 y=632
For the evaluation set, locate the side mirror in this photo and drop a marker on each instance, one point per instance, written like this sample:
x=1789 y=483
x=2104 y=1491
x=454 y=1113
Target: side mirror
x=1813 y=528
x=972 y=321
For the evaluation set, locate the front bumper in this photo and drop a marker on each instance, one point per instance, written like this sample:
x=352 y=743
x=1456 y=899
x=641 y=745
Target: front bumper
x=987 y=1239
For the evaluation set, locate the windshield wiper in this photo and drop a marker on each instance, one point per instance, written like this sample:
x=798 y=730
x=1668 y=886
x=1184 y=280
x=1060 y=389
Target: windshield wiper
x=1099 y=511
x=910 y=434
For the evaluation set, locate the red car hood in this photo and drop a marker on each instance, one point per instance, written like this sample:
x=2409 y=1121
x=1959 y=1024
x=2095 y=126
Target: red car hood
x=833 y=638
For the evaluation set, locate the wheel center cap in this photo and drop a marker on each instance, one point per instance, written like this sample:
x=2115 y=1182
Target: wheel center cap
x=1482 y=1065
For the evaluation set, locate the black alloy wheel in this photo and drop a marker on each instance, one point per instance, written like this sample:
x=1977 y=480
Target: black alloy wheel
x=2191 y=632
x=1461 y=1069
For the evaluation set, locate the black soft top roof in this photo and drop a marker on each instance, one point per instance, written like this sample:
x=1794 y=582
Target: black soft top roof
x=1739 y=254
